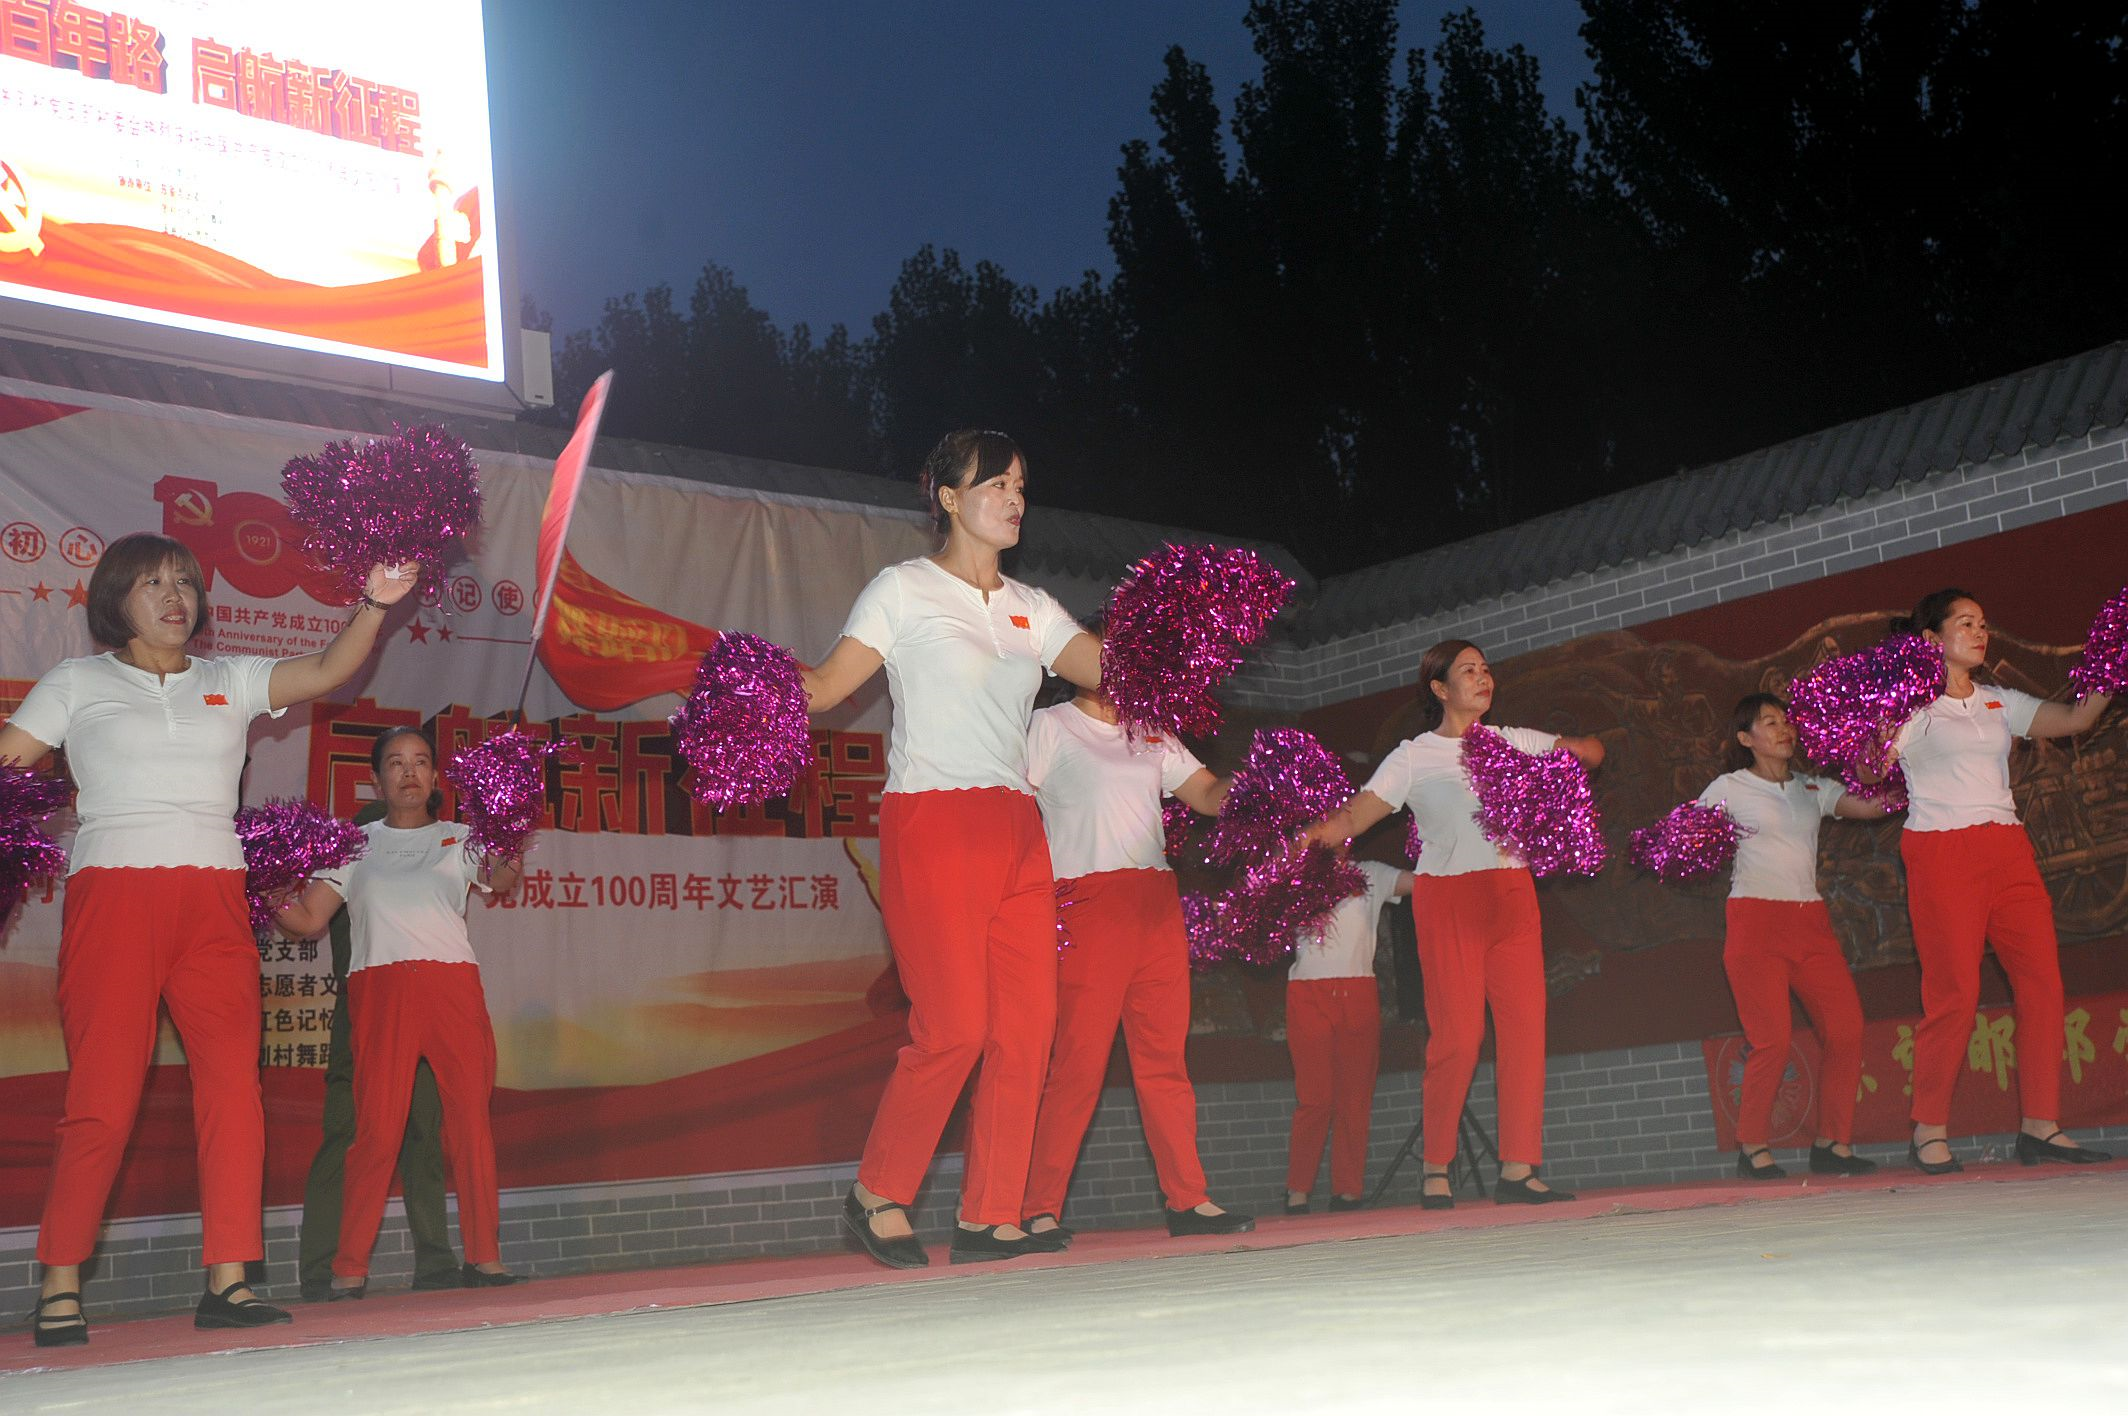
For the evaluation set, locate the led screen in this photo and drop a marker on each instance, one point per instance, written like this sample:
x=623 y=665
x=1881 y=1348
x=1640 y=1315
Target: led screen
x=304 y=173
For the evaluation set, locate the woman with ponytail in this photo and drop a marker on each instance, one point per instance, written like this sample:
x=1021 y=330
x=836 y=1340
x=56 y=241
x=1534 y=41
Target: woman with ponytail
x=1780 y=937
x=1972 y=881
x=1481 y=943
x=966 y=888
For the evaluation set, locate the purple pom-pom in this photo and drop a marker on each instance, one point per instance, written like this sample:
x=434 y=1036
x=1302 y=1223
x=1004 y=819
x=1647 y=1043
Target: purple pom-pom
x=1176 y=628
x=2104 y=667
x=1846 y=709
x=1413 y=842
x=27 y=851
x=1691 y=841
x=1178 y=829
x=1258 y=919
x=744 y=728
x=1289 y=782
x=1542 y=808
x=502 y=791
x=286 y=841
x=413 y=496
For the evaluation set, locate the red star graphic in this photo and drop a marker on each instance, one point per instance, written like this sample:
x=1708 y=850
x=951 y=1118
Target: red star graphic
x=41 y=591
x=444 y=631
x=79 y=595
x=418 y=631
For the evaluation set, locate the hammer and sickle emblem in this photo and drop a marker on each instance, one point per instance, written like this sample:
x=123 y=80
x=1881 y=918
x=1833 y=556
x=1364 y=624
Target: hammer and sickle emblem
x=20 y=220
x=192 y=509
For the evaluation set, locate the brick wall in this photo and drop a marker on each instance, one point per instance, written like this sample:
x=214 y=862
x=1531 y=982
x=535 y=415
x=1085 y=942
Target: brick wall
x=1964 y=504
x=1630 y=1117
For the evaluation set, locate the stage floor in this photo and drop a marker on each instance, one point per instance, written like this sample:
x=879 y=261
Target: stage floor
x=1995 y=1290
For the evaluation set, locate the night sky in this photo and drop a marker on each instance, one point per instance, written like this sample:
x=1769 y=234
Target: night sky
x=813 y=146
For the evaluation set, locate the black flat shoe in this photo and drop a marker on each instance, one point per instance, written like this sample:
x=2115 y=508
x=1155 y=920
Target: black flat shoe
x=1518 y=1192
x=1436 y=1202
x=1749 y=1171
x=1824 y=1160
x=1933 y=1167
x=215 y=1310
x=59 y=1330
x=1183 y=1223
x=1059 y=1235
x=1292 y=1208
x=982 y=1246
x=338 y=1295
x=2031 y=1150
x=905 y=1252
x=471 y=1277
x=1339 y=1204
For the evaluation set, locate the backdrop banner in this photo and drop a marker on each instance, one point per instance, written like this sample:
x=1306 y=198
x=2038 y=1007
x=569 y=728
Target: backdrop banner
x=674 y=992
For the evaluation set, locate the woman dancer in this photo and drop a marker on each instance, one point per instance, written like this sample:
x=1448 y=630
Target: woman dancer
x=1971 y=880
x=413 y=993
x=1780 y=938
x=155 y=910
x=1127 y=959
x=1481 y=941
x=965 y=883
x=1334 y=1031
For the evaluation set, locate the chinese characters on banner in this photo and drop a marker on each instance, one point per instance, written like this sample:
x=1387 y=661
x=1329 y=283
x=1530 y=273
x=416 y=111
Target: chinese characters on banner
x=2092 y=1053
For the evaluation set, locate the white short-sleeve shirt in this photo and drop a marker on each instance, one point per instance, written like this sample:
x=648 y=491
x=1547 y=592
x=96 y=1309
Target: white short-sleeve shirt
x=1343 y=946
x=156 y=759
x=1426 y=774
x=1777 y=857
x=963 y=672
x=1956 y=752
x=406 y=896
x=1100 y=791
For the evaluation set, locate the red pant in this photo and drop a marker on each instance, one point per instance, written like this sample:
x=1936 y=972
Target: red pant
x=1775 y=946
x=1966 y=889
x=1334 y=1031
x=1129 y=963
x=1481 y=942
x=970 y=908
x=128 y=940
x=400 y=1014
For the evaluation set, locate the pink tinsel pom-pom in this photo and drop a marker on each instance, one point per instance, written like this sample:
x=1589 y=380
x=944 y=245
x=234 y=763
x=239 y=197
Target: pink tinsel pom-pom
x=1846 y=709
x=1289 y=782
x=286 y=841
x=1690 y=841
x=502 y=791
x=1542 y=808
x=1176 y=628
x=1413 y=842
x=27 y=851
x=2104 y=667
x=1258 y=919
x=414 y=496
x=744 y=728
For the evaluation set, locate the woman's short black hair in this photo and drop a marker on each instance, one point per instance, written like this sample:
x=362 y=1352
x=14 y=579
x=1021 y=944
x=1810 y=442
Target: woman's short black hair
x=1433 y=669
x=1744 y=719
x=124 y=562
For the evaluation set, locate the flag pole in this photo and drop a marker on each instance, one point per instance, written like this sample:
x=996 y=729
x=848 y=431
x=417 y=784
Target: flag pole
x=569 y=469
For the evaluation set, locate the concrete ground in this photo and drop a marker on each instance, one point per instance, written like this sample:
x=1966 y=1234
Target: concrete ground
x=2001 y=1291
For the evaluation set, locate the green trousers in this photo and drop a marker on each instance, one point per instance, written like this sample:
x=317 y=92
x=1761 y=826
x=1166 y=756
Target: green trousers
x=420 y=1155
